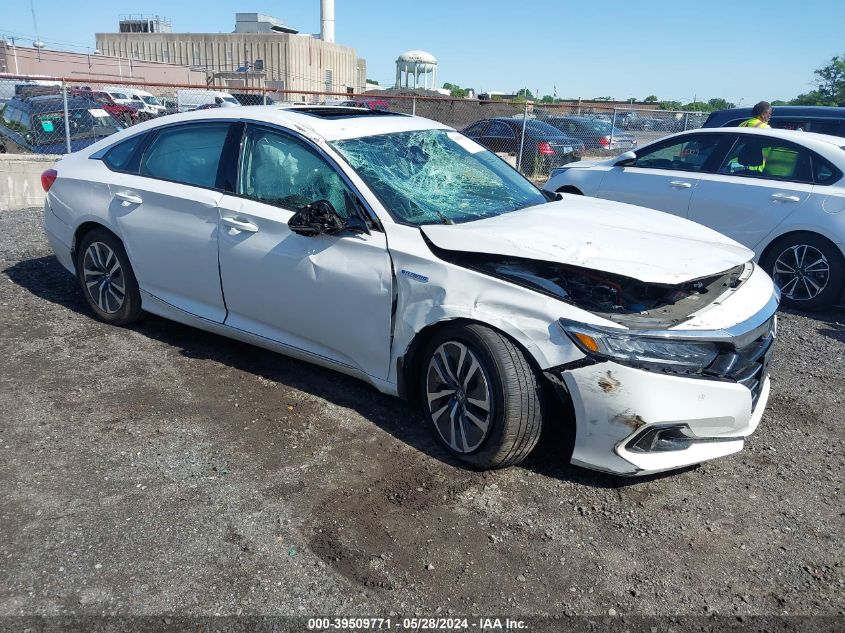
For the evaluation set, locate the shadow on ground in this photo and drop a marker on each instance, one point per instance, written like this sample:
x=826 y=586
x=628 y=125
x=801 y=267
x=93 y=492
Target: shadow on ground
x=46 y=279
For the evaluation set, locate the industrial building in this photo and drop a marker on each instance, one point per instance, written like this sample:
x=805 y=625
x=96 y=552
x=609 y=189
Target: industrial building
x=262 y=52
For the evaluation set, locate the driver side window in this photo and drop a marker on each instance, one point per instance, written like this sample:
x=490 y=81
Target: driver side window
x=688 y=154
x=281 y=170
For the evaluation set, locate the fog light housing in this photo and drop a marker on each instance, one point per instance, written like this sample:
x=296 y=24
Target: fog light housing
x=661 y=439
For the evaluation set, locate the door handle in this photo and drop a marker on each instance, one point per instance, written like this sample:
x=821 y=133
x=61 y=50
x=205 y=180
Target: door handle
x=240 y=225
x=785 y=197
x=680 y=184
x=128 y=196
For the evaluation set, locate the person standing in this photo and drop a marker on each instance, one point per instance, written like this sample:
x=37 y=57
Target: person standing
x=760 y=115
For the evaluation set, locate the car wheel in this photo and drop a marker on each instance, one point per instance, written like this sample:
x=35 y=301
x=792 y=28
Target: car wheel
x=808 y=269
x=481 y=396
x=106 y=278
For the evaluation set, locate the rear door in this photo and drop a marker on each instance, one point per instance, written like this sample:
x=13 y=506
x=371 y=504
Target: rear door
x=665 y=174
x=167 y=213
x=759 y=183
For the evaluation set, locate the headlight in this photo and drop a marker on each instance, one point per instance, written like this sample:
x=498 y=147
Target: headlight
x=629 y=348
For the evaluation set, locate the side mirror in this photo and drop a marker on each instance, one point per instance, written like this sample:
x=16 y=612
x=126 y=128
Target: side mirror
x=321 y=218
x=625 y=160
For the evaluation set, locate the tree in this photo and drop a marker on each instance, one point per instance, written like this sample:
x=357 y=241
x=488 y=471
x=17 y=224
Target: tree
x=696 y=106
x=372 y=81
x=524 y=93
x=548 y=99
x=456 y=91
x=671 y=105
x=830 y=85
x=719 y=104
x=651 y=99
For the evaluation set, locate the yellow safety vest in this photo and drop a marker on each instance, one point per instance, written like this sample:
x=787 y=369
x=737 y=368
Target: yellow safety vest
x=755 y=122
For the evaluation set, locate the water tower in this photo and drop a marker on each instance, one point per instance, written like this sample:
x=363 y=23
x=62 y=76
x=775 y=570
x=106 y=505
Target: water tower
x=413 y=64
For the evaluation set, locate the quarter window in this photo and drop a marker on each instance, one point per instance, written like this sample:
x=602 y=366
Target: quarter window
x=283 y=171
x=689 y=154
x=188 y=154
x=120 y=156
x=757 y=157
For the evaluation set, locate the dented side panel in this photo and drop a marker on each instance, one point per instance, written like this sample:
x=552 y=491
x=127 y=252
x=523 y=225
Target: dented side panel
x=431 y=291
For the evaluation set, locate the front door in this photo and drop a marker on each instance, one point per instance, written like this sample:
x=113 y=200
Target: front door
x=664 y=175
x=328 y=295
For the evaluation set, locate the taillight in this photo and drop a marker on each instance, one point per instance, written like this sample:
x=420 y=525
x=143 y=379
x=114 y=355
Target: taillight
x=544 y=148
x=604 y=140
x=48 y=178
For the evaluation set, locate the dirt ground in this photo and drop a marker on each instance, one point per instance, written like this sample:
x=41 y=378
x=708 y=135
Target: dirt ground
x=161 y=470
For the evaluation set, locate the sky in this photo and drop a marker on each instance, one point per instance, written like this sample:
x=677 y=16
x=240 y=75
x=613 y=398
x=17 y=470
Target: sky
x=676 y=50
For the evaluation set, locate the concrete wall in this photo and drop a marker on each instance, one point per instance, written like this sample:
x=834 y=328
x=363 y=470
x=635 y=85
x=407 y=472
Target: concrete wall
x=20 y=180
x=81 y=66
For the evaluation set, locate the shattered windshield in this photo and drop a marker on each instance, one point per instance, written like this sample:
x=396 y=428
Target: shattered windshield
x=437 y=177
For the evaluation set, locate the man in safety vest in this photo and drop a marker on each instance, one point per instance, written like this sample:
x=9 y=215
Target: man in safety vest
x=760 y=115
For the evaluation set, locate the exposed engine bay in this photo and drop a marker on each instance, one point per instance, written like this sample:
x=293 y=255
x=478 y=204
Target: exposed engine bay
x=622 y=299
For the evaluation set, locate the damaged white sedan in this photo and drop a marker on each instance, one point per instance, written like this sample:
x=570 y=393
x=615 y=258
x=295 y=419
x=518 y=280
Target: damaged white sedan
x=394 y=249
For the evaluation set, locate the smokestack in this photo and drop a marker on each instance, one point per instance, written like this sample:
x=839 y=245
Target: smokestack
x=327 y=20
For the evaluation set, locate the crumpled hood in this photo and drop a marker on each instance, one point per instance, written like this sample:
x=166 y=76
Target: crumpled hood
x=613 y=237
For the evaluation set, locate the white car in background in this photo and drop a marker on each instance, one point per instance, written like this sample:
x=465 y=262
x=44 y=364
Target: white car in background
x=146 y=103
x=778 y=192
x=396 y=250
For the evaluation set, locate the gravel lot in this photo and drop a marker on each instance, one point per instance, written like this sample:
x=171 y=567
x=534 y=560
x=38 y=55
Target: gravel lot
x=162 y=470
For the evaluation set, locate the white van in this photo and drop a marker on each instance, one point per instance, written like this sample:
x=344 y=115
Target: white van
x=146 y=103
x=189 y=99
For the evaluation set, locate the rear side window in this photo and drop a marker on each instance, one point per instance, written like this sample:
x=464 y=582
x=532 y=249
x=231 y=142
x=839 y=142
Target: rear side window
x=188 y=154
x=759 y=157
x=119 y=157
x=819 y=126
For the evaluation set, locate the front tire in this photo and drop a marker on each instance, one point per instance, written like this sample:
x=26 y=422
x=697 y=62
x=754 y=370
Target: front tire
x=808 y=269
x=106 y=277
x=481 y=396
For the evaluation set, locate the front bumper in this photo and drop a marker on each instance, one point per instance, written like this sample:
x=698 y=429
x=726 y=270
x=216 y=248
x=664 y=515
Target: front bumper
x=618 y=407
x=615 y=404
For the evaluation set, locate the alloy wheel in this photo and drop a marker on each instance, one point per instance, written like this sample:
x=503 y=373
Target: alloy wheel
x=459 y=398
x=103 y=277
x=801 y=272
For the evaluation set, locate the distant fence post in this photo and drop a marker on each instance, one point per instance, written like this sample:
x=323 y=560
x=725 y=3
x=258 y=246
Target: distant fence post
x=612 y=129
x=67 y=116
x=414 y=106
x=686 y=121
x=263 y=95
x=522 y=138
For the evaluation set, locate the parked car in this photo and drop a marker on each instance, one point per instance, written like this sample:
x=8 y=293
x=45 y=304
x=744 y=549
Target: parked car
x=543 y=147
x=596 y=134
x=778 y=192
x=36 y=125
x=126 y=114
x=394 y=249
x=146 y=103
x=820 y=119
x=189 y=99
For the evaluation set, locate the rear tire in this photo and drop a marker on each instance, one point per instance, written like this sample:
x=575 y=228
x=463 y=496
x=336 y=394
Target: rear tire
x=106 y=278
x=481 y=396
x=808 y=269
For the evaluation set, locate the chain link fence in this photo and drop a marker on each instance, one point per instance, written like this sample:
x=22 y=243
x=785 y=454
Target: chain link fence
x=54 y=116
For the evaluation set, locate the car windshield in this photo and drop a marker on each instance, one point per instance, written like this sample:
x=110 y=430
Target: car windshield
x=151 y=100
x=542 y=128
x=437 y=177
x=49 y=127
x=118 y=95
x=230 y=100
